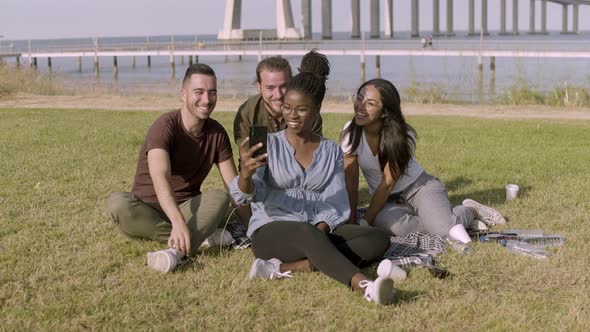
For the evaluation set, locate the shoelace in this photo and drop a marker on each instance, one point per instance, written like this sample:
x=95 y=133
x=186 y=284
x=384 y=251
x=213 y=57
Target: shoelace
x=368 y=286
x=279 y=275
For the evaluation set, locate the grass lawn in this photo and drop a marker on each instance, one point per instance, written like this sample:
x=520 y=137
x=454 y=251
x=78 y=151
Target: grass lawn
x=64 y=265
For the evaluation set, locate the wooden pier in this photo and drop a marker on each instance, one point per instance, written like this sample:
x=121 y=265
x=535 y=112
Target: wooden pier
x=412 y=48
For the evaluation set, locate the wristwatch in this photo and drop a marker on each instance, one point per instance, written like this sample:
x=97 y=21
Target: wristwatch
x=363 y=222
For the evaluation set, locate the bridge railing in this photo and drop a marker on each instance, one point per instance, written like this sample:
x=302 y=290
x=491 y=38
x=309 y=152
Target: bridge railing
x=381 y=44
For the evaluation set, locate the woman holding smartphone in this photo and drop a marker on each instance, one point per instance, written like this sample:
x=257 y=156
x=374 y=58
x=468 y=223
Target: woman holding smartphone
x=405 y=198
x=299 y=200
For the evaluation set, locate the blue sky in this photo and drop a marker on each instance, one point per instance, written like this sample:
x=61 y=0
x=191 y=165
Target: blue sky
x=32 y=19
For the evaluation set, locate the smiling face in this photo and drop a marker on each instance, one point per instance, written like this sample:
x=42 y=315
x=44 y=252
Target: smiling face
x=368 y=107
x=272 y=87
x=299 y=112
x=199 y=95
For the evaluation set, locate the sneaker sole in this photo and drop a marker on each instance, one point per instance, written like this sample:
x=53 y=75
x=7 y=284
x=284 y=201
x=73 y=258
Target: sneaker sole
x=384 y=291
x=253 y=268
x=473 y=204
x=384 y=268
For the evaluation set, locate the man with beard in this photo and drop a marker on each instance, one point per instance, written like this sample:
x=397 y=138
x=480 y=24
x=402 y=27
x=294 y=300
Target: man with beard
x=264 y=109
x=166 y=203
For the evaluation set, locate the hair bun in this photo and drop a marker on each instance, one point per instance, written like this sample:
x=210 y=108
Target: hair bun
x=315 y=63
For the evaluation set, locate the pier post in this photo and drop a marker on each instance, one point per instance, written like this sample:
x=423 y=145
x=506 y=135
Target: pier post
x=149 y=61
x=49 y=65
x=326 y=19
x=480 y=69
x=172 y=64
x=502 y=17
x=532 y=18
x=79 y=64
x=415 y=19
x=182 y=59
x=362 y=58
x=115 y=68
x=197 y=59
x=133 y=62
x=450 y=31
x=95 y=66
x=378 y=66
x=436 y=17
x=356 y=19
x=35 y=63
x=544 y=17
x=484 y=17
x=515 y=17
x=18 y=61
x=492 y=68
x=306 y=15
x=389 y=18
x=375 y=33
x=471 y=18
x=576 y=14
x=190 y=60
x=564 y=19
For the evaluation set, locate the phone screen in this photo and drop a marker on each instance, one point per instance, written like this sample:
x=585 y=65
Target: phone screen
x=258 y=135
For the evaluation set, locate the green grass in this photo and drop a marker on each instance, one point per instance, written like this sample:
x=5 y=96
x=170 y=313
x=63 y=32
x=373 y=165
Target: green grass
x=64 y=265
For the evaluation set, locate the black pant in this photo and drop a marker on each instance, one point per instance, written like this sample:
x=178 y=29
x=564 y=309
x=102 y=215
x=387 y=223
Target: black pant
x=338 y=254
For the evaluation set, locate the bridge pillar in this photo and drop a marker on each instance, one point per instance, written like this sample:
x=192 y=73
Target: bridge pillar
x=502 y=17
x=149 y=61
x=79 y=64
x=515 y=17
x=18 y=61
x=436 y=17
x=355 y=6
x=133 y=62
x=375 y=33
x=285 y=26
x=576 y=29
x=484 y=16
x=96 y=67
x=544 y=17
x=232 y=20
x=471 y=15
x=415 y=19
x=450 y=18
x=564 y=19
x=306 y=14
x=389 y=18
x=49 y=67
x=378 y=66
x=532 y=17
x=326 y=19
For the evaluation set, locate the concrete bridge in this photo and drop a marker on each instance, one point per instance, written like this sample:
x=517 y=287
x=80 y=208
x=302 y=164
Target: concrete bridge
x=286 y=28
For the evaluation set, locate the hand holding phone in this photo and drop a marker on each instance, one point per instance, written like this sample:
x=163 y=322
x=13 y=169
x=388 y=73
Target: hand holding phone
x=258 y=135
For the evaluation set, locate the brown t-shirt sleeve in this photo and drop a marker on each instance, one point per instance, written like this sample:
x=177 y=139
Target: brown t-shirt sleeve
x=224 y=150
x=159 y=136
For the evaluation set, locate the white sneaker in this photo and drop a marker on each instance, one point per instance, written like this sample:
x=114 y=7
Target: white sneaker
x=485 y=213
x=387 y=269
x=478 y=226
x=220 y=236
x=164 y=260
x=379 y=291
x=269 y=269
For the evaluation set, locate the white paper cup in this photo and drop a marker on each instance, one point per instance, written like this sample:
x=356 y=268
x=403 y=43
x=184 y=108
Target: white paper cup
x=512 y=191
x=458 y=233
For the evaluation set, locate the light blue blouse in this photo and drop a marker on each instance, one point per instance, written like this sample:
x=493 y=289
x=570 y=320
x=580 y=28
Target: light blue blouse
x=285 y=192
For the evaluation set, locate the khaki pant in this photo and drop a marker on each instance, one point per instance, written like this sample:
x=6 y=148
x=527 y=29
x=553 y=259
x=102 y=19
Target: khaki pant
x=138 y=219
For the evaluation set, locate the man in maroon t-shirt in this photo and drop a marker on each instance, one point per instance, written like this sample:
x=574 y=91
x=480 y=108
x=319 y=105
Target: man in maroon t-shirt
x=166 y=202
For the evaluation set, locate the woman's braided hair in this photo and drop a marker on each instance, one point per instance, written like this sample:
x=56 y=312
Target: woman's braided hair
x=313 y=73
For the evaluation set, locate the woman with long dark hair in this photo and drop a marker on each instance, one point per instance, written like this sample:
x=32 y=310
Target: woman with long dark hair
x=405 y=198
x=299 y=200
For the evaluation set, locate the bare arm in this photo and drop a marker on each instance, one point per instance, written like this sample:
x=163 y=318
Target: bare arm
x=351 y=174
x=160 y=172
x=227 y=170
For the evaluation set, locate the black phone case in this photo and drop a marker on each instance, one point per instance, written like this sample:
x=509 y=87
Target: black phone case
x=258 y=135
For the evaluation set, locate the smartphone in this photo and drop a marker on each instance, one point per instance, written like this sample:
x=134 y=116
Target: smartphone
x=258 y=135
